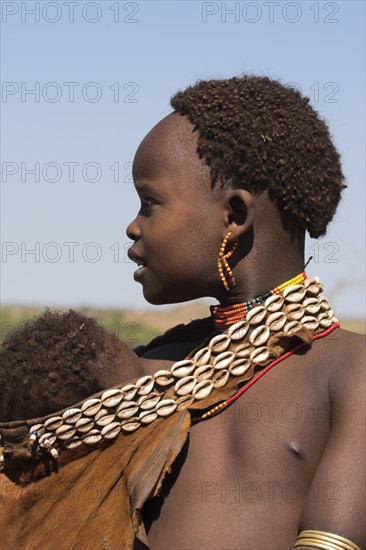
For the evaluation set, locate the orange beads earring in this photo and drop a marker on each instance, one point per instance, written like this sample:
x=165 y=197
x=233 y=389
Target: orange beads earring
x=222 y=262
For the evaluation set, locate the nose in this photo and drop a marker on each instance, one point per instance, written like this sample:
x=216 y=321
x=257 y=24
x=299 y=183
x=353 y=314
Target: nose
x=133 y=230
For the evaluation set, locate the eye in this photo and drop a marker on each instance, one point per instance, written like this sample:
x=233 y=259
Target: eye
x=147 y=203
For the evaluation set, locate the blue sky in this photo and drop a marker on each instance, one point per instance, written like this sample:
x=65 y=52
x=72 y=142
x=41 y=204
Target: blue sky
x=102 y=74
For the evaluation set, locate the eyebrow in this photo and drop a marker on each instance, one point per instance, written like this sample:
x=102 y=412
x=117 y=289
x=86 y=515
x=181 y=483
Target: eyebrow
x=145 y=186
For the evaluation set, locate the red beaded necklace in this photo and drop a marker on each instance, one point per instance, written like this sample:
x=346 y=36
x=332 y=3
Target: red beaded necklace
x=230 y=400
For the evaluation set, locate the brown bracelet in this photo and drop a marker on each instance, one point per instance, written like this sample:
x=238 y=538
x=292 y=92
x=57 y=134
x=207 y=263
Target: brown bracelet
x=325 y=541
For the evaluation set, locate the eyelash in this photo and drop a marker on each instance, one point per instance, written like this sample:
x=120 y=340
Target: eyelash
x=147 y=202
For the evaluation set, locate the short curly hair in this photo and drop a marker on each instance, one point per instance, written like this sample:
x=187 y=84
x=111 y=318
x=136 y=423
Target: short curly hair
x=258 y=134
x=55 y=360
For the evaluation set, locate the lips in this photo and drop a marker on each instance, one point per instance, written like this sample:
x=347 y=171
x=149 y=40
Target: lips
x=139 y=260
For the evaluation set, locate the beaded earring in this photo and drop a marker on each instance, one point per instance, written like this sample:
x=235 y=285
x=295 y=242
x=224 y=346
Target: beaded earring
x=222 y=263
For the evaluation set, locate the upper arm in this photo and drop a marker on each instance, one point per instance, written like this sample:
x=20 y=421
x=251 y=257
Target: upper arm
x=336 y=499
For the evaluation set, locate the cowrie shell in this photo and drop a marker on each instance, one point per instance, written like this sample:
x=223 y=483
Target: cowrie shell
x=314 y=289
x=185 y=385
x=291 y=326
x=219 y=343
x=182 y=368
x=243 y=351
x=127 y=409
x=149 y=401
x=310 y=280
x=220 y=378
x=326 y=322
x=66 y=431
x=35 y=427
x=147 y=417
x=275 y=321
x=311 y=305
x=294 y=311
x=112 y=430
x=204 y=372
x=72 y=415
x=47 y=439
x=323 y=301
x=101 y=413
x=53 y=423
x=203 y=389
x=129 y=392
x=91 y=407
x=322 y=315
x=273 y=303
x=131 y=424
x=294 y=293
x=74 y=443
x=256 y=315
x=223 y=360
x=259 y=336
x=202 y=356
x=239 y=367
x=312 y=309
x=259 y=355
x=238 y=330
x=183 y=402
x=166 y=407
x=84 y=424
x=144 y=385
x=163 y=377
x=310 y=322
x=106 y=419
x=94 y=436
x=111 y=398
x=291 y=289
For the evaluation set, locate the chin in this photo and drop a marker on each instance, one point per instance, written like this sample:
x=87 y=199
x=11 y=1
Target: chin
x=158 y=299
x=166 y=298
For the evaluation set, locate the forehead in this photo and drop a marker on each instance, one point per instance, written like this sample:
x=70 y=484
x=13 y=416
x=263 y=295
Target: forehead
x=169 y=149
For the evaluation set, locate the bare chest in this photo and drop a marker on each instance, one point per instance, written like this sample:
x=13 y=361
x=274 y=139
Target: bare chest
x=243 y=470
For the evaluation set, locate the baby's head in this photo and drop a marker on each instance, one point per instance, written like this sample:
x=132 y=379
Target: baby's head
x=246 y=155
x=57 y=360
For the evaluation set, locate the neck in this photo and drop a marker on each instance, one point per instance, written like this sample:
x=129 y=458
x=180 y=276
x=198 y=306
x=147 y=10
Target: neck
x=255 y=284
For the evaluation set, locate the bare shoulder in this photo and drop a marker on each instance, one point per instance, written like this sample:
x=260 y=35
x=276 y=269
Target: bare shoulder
x=342 y=353
x=347 y=356
x=346 y=337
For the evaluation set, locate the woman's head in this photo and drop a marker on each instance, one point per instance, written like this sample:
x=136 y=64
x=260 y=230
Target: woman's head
x=245 y=155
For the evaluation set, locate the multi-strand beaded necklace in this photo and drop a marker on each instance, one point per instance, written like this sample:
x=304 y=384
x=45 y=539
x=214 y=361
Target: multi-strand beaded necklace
x=226 y=316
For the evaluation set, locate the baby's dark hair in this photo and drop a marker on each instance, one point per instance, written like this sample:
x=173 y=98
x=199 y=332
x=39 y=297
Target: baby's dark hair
x=54 y=361
x=257 y=134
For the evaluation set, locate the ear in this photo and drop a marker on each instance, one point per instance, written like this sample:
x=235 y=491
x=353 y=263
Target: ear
x=240 y=212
